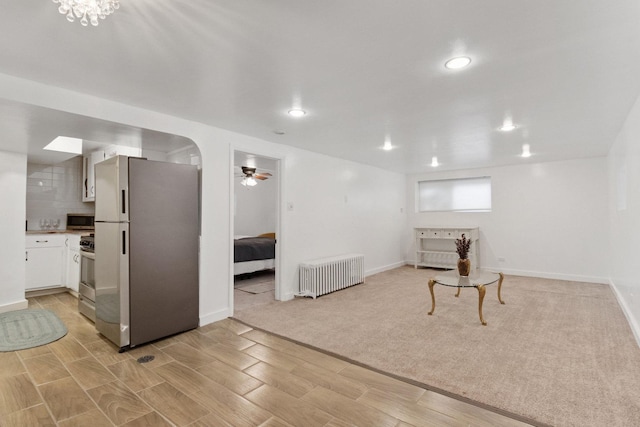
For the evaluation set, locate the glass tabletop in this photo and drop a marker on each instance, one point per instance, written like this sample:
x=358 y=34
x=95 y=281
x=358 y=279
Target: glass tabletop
x=476 y=278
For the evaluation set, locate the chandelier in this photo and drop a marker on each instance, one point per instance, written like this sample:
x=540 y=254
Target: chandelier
x=87 y=10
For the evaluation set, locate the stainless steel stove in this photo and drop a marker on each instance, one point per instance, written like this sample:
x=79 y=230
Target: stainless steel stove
x=87 y=287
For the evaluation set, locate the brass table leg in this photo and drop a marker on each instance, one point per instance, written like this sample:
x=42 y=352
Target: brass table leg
x=433 y=298
x=481 y=292
x=500 y=287
x=458 y=293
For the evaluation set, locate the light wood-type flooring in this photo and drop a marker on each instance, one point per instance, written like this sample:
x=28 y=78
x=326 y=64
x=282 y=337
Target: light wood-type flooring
x=222 y=374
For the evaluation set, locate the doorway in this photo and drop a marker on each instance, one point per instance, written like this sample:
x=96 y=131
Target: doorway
x=255 y=224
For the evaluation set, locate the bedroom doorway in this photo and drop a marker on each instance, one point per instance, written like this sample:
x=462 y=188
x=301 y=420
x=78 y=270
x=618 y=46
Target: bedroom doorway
x=255 y=224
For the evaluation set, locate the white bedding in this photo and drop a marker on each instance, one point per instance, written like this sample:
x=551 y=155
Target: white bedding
x=251 y=266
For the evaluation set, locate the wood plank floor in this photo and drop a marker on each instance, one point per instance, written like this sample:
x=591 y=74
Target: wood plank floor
x=223 y=374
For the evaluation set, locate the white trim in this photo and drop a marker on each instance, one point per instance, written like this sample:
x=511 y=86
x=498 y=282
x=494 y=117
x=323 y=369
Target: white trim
x=385 y=268
x=18 y=305
x=633 y=322
x=279 y=158
x=232 y=202
x=214 y=316
x=547 y=275
x=542 y=274
x=288 y=296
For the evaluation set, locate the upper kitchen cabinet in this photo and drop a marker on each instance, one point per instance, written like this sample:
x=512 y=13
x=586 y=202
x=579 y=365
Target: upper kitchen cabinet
x=90 y=160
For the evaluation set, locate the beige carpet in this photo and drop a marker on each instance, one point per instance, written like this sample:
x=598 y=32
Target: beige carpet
x=560 y=353
x=254 y=289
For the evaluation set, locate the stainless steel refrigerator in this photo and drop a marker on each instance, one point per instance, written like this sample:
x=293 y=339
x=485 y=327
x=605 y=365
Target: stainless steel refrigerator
x=146 y=249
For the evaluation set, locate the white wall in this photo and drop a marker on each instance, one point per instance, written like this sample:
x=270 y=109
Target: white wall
x=13 y=170
x=624 y=215
x=321 y=223
x=331 y=206
x=255 y=207
x=547 y=219
x=55 y=190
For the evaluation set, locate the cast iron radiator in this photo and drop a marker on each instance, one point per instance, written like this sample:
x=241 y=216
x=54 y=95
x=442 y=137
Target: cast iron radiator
x=321 y=276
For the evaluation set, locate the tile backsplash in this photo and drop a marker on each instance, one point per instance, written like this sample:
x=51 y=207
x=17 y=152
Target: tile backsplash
x=53 y=191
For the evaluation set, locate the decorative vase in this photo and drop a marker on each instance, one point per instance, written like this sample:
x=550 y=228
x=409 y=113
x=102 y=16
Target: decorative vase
x=464 y=266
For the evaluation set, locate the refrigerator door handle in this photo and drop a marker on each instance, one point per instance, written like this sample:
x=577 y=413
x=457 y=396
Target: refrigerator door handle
x=124 y=242
x=124 y=201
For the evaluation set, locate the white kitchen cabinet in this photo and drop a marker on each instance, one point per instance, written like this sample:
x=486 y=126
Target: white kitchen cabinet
x=436 y=246
x=45 y=261
x=88 y=175
x=73 y=261
x=88 y=166
x=121 y=150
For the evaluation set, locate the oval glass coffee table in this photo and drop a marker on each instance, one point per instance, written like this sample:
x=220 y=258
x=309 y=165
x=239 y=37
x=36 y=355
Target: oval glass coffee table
x=477 y=279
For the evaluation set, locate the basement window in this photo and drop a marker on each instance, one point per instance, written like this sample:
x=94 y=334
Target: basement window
x=455 y=195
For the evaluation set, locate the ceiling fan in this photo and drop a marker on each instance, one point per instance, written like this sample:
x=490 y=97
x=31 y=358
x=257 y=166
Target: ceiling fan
x=249 y=176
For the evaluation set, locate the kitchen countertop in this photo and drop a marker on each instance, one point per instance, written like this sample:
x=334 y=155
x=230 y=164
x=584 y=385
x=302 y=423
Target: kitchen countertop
x=78 y=232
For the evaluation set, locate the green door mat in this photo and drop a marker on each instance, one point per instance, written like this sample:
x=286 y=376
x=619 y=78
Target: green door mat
x=29 y=328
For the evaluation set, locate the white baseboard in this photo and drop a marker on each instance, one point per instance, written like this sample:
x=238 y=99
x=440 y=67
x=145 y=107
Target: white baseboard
x=633 y=322
x=384 y=268
x=214 y=317
x=18 y=305
x=541 y=274
x=288 y=296
x=547 y=275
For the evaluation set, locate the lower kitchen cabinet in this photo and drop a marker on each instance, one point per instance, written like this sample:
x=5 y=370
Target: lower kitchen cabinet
x=73 y=262
x=45 y=261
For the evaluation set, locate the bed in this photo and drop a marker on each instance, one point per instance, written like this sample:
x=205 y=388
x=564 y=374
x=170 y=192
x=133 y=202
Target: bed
x=253 y=253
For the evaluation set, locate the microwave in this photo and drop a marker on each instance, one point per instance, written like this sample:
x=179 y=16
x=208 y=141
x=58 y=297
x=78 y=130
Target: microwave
x=80 y=221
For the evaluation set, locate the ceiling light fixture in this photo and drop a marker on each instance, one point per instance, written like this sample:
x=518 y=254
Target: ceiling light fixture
x=88 y=11
x=434 y=162
x=458 y=62
x=387 y=145
x=526 y=150
x=507 y=126
x=297 y=112
x=248 y=181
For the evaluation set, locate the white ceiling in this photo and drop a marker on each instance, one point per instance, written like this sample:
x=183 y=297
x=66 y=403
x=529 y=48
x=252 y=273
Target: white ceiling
x=37 y=126
x=566 y=71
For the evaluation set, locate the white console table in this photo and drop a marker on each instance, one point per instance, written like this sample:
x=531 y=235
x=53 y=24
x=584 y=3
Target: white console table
x=436 y=246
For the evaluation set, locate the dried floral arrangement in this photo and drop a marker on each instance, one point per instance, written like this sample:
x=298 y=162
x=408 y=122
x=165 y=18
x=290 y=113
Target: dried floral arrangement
x=462 y=246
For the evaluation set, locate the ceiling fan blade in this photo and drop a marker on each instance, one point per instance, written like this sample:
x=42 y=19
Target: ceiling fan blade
x=260 y=176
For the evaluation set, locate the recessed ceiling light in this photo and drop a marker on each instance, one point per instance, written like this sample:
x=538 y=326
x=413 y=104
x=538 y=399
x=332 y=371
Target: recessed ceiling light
x=434 y=162
x=507 y=127
x=387 y=146
x=458 y=62
x=279 y=132
x=526 y=150
x=297 y=112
